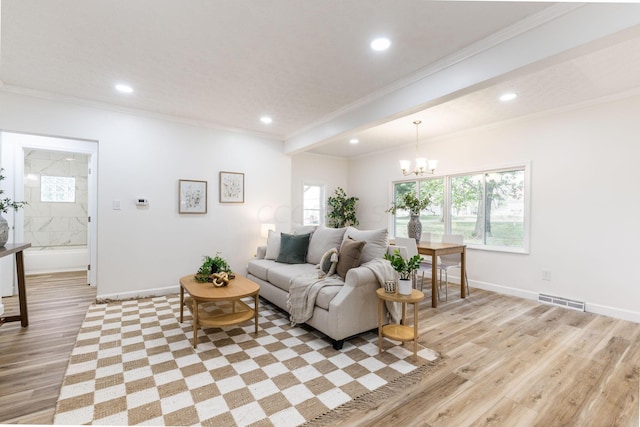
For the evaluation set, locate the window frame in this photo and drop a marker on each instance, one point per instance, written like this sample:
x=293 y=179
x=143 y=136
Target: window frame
x=447 y=214
x=322 y=211
x=56 y=178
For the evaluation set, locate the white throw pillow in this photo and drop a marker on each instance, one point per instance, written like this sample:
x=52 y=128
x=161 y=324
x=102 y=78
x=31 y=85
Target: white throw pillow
x=323 y=239
x=273 y=245
x=377 y=242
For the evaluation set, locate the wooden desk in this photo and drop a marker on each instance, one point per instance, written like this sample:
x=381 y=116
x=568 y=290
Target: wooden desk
x=436 y=249
x=17 y=248
x=201 y=293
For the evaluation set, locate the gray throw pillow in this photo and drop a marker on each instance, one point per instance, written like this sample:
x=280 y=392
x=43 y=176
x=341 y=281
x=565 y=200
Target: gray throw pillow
x=293 y=249
x=377 y=242
x=323 y=239
x=349 y=256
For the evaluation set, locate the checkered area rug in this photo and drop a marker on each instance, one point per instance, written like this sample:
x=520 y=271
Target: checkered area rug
x=134 y=364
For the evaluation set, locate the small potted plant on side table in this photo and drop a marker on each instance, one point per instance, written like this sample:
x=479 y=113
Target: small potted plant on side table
x=404 y=267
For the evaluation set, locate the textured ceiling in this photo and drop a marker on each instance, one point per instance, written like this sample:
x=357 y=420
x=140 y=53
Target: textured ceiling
x=226 y=63
x=604 y=68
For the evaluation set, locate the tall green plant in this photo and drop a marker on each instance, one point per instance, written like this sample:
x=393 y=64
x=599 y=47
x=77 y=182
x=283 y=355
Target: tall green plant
x=411 y=202
x=342 y=209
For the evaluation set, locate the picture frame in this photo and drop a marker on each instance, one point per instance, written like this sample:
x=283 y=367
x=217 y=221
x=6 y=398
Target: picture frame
x=192 y=197
x=231 y=187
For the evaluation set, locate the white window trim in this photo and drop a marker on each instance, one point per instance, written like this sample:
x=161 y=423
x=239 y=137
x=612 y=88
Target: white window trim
x=323 y=200
x=526 y=165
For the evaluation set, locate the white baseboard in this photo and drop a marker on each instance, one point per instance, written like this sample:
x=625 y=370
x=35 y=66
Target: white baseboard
x=1 y=309
x=139 y=294
x=618 y=313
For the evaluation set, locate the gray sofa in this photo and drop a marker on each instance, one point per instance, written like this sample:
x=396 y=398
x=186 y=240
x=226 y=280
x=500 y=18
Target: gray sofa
x=339 y=312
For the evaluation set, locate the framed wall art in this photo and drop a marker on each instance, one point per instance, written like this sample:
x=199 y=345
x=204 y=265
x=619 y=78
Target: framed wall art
x=231 y=187
x=192 y=197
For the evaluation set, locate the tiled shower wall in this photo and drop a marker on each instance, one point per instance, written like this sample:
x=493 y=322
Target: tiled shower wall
x=55 y=224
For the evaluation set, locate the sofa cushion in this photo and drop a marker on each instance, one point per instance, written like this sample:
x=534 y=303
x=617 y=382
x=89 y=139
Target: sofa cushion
x=325 y=296
x=328 y=263
x=377 y=242
x=349 y=256
x=273 y=245
x=280 y=275
x=260 y=268
x=304 y=229
x=323 y=239
x=293 y=248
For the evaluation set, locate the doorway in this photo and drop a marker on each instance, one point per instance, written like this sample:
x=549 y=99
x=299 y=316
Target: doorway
x=57 y=177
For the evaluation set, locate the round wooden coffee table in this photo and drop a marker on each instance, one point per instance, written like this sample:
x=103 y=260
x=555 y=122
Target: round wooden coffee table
x=207 y=293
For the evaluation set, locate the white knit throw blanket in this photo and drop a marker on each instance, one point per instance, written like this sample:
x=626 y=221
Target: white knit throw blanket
x=383 y=271
x=303 y=291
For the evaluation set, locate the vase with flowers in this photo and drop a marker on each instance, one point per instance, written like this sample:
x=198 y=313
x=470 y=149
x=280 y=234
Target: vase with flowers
x=414 y=204
x=6 y=204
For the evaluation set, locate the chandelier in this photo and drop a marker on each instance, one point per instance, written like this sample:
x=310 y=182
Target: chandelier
x=423 y=166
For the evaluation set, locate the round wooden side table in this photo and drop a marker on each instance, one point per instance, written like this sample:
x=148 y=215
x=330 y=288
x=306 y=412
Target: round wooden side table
x=400 y=332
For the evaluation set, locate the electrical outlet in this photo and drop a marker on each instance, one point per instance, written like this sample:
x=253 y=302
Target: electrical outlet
x=546 y=275
x=116 y=205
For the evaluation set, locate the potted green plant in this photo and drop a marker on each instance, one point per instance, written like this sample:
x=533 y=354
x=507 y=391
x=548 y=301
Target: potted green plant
x=404 y=267
x=415 y=205
x=6 y=204
x=211 y=266
x=342 y=209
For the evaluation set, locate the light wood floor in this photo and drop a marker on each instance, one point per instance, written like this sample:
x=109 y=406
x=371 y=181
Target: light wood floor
x=33 y=360
x=506 y=361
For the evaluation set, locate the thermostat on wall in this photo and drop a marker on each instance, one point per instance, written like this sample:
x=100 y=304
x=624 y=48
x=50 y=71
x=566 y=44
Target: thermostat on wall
x=142 y=202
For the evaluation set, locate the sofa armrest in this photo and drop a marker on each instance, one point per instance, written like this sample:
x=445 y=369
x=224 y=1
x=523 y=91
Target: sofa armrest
x=261 y=252
x=355 y=308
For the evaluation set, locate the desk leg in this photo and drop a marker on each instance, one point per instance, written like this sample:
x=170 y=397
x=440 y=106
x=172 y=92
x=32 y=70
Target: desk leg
x=463 y=279
x=22 y=290
x=434 y=278
x=195 y=323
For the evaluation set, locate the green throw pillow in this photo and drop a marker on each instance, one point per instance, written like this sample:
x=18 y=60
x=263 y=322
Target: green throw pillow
x=293 y=248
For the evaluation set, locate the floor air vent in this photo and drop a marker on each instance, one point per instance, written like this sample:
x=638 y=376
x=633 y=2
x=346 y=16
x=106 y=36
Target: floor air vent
x=562 y=302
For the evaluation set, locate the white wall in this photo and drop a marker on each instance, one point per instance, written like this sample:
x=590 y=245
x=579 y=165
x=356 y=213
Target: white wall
x=146 y=250
x=585 y=201
x=316 y=169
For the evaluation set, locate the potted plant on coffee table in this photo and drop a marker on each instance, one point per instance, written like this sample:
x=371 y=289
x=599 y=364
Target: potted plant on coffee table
x=405 y=268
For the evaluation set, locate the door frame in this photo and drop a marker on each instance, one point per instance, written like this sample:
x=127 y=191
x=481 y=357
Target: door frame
x=12 y=160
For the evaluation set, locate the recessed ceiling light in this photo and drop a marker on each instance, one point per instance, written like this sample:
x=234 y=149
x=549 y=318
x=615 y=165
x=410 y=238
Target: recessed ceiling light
x=266 y=120
x=353 y=141
x=508 y=97
x=124 y=88
x=381 y=43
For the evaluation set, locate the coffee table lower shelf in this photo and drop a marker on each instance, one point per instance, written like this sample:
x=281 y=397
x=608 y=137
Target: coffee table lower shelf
x=209 y=320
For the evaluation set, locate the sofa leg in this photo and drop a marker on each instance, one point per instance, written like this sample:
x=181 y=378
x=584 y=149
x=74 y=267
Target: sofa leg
x=337 y=344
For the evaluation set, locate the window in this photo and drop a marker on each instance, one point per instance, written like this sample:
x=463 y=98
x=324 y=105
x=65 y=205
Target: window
x=432 y=220
x=313 y=204
x=488 y=208
x=57 y=189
